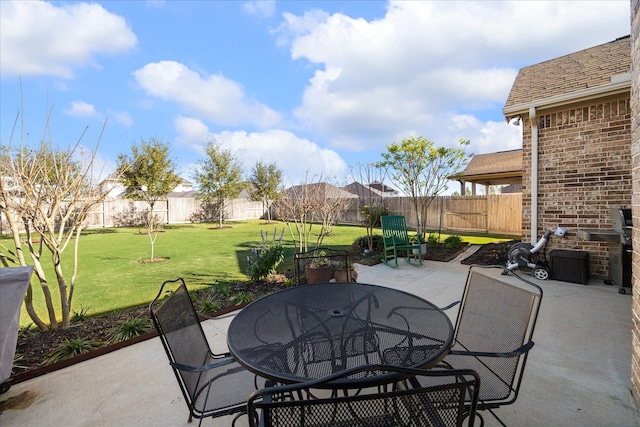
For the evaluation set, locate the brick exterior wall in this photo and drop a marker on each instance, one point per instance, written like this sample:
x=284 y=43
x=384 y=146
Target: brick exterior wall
x=584 y=171
x=635 y=150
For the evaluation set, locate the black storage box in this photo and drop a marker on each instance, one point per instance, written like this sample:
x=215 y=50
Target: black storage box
x=570 y=266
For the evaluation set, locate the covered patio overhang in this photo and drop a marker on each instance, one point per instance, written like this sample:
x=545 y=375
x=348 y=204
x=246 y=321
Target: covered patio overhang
x=501 y=168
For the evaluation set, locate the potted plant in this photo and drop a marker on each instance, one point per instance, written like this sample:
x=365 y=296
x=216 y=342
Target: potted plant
x=414 y=240
x=343 y=275
x=319 y=270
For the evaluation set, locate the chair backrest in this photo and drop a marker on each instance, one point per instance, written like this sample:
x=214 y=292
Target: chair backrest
x=182 y=336
x=315 y=403
x=496 y=317
x=395 y=227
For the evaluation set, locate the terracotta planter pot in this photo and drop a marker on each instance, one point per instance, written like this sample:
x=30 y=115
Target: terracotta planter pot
x=318 y=274
x=343 y=277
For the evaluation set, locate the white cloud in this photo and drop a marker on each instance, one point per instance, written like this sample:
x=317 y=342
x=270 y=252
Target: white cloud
x=38 y=38
x=81 y=109
x=262 y=8
x=294 y=155
x=122 y=117
x=214 y=97
x=426 y=64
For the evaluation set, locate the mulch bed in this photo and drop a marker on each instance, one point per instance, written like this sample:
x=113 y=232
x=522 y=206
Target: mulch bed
x=490 y=254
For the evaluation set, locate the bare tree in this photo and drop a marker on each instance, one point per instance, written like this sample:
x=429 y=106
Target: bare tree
x=333 y=202
x=371 y=201
x=296 y=206
x=47 y=195
x=312 y=202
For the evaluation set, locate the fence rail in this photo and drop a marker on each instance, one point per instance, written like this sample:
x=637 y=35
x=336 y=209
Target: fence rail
x=493 y=214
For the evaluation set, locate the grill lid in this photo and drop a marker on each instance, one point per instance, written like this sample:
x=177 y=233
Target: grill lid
x=621 y=220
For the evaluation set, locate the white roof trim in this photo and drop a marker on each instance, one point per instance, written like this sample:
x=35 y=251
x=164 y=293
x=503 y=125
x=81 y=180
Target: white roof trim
x=621 y=84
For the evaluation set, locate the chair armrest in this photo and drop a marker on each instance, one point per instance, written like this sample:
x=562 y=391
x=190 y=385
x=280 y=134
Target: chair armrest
x=515 y=353
x=447 y=307
x=188 y=368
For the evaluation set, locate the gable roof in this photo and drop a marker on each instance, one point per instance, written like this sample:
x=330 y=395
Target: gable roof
x=590 y=72
x=371 y=191
x=493 y=168
x=324 y=189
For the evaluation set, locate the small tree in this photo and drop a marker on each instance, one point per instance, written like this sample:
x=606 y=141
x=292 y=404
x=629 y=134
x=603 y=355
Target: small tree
x=296 y=206
x=332 y=202
x=371 y=202
x=219 y=177
x=421 y=170
x=302 y=205
x=46 y=196
x=149 y=174
x=266 y=185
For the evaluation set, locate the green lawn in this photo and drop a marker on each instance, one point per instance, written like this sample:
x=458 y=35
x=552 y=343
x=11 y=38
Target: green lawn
x=110 y=276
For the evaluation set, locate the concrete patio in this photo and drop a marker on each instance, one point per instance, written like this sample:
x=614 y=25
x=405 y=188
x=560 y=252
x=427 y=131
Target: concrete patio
x=578 y=372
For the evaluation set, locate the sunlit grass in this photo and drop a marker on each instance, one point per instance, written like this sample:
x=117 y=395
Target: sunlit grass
x=111 y=276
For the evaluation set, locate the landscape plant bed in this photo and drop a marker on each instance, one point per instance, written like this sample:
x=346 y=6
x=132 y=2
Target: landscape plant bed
x=490 y=254
x=34 y=347
x=442 y=253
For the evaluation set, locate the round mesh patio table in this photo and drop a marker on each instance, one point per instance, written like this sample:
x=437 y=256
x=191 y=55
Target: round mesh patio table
x=311 y=331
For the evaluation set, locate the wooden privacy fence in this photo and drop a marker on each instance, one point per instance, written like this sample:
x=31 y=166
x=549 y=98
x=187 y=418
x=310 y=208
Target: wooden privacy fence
x=173 y=210
x=493 y=214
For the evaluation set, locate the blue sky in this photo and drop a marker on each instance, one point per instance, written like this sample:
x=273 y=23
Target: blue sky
x=314 y=86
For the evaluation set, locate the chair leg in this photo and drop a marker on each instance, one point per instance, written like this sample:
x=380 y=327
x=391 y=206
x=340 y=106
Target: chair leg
x=233 y=422
x=496 y=417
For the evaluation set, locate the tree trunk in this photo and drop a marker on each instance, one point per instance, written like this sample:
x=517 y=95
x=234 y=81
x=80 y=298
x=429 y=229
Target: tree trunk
x=220 y=212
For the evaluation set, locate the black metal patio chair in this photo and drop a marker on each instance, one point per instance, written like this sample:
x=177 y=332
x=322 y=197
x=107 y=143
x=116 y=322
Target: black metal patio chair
x=448 y=400
x=493 y=334
x=212 y=384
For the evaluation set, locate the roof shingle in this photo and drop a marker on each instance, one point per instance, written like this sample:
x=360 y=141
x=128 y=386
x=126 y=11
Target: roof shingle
x=585 y=69
x=492 y=163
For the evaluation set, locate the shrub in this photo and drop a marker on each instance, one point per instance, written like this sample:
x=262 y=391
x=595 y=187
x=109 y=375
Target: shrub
x=18 y=359
x=453 y=242
x=267 y=257
x=363 y=243
x=372 y=260
x=208 y=304
x=80 y=316
x=129 y=328
x=71 y=348
x=432 y=241
x=241 y=298
x=222 y=290
x=372 y=214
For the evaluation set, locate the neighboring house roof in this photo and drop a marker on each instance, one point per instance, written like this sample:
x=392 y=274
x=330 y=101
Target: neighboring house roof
x=382 y=187
x=323 y=188
x=503 y=167
x=184 y=194
x=592 y=72
x=369 y=191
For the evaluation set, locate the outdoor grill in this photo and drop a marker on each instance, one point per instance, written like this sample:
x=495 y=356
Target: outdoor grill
x=620 y=254
x=620 y=249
